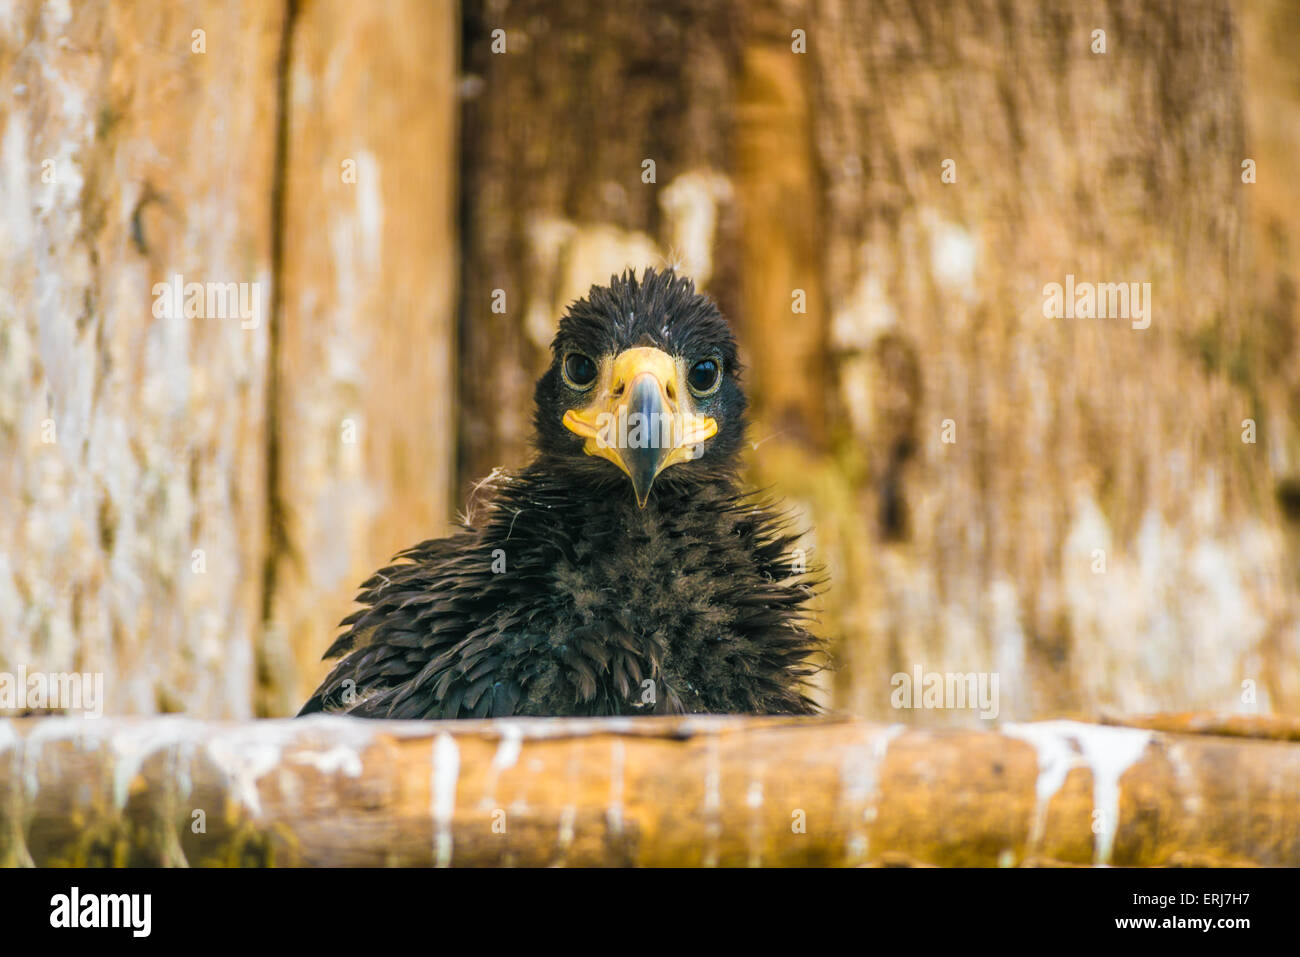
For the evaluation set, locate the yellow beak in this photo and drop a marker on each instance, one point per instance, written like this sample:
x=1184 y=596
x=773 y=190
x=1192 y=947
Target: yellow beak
x=641 y=417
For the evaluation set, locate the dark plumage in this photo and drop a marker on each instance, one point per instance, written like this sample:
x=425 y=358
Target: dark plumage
x=605 y=577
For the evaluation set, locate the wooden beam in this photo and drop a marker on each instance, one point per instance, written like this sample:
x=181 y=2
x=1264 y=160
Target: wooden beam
x=648 y=791
x=365 y=406
x=138 y=148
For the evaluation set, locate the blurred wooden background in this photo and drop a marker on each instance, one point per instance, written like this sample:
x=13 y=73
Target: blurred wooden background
x=187 y=505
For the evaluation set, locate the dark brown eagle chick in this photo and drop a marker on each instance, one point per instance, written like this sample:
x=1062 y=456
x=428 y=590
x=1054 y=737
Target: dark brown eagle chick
x=625 y=571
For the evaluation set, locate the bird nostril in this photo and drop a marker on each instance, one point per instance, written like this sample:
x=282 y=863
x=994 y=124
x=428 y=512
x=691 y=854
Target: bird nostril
x=618 y=389
x=672 y=391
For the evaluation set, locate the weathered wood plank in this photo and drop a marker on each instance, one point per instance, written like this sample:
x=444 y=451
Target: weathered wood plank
x=136 y=145
x=695 y=791
x=365 y=405
x=1065 y=501
x=1278 y=727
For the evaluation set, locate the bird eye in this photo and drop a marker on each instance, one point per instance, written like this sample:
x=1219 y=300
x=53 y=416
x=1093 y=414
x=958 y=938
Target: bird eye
x=579 y=370
x=705 y=377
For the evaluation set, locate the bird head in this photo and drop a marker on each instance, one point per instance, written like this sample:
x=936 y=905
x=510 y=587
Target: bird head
x=643 y=380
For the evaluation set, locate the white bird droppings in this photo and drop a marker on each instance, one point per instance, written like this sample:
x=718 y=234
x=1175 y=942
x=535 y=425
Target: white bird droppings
x=446 y=775
x=859 y=776
x=1106 y=752
x=340 y=758
x=512 y=739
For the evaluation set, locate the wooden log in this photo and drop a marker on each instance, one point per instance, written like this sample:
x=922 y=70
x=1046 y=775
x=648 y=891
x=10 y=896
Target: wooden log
x=1278 y=727
x=195 y=498
x=693 y=791
x=364 y=406
x=137 y=147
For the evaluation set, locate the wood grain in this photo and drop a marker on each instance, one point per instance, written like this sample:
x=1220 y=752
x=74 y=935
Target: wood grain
x=697 y=791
